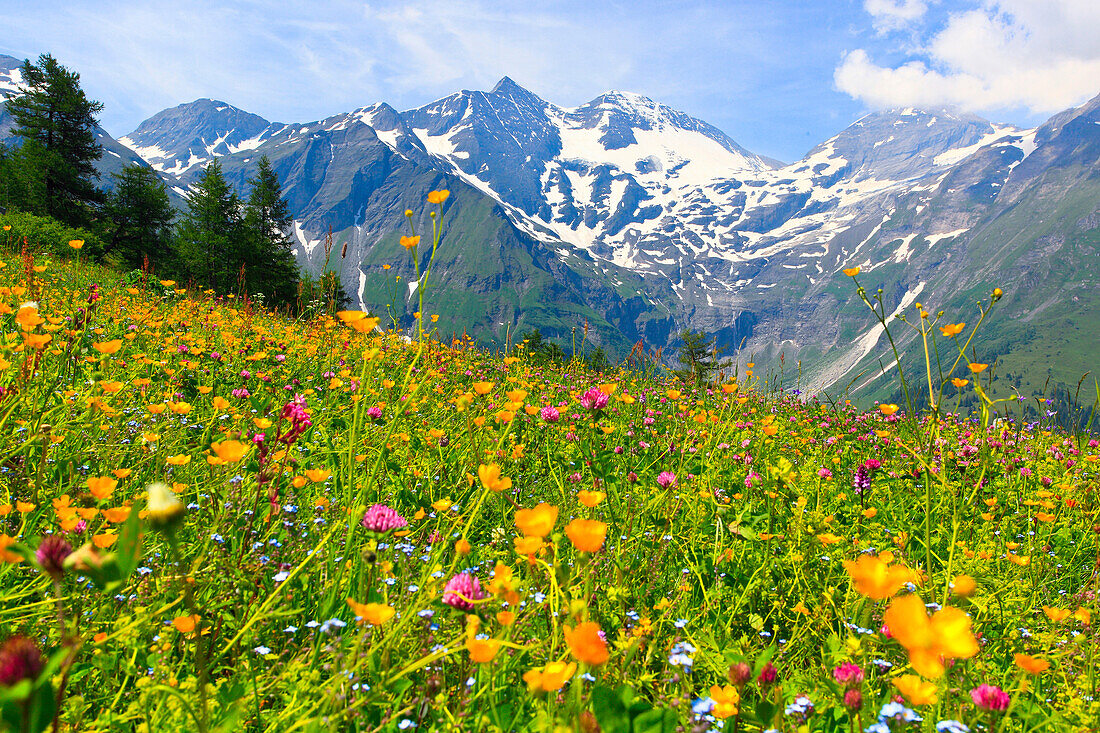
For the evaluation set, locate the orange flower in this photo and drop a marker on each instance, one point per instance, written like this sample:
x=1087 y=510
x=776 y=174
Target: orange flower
x=438 y=197
x=851 y=271
x=887 y=409
x=977 y=368
x=318 y=475
x=506 y=618
x=117 y=515
x=952 y=329
x=963 y=585
x=24 y=507
x=727 y=701
x=1057 y=615
x=828 y=538
x=181 y=459
x=101 y=486
x=230 y=451
x=1031 y=665
x=482 y=650
x=527 y=545
x=587 y=535
x=5 y=554
x=410 y=242
x=876 y=579
x=586 y=644
x=491 y=478
x=916 y=690
x=121 y=473
x=960 y=383
x=108 y=347
x=551 y=677
x=104 y=540
x=186 y=624
x=28 y=317
x=590 y=499
x=930 y=640
x=484 y=388
x=76 y=243
x=374 y=614
x=537 y=522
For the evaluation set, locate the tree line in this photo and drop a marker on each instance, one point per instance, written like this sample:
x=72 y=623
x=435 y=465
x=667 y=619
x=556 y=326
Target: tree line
x=220 y=241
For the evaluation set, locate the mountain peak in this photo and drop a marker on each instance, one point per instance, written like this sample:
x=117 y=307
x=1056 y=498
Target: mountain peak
x=507 y=85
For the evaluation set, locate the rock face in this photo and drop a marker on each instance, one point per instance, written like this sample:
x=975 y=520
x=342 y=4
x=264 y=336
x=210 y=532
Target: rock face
x=623 y=219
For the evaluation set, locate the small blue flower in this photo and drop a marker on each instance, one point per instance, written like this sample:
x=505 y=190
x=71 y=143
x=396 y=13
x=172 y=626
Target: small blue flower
x=261 y=650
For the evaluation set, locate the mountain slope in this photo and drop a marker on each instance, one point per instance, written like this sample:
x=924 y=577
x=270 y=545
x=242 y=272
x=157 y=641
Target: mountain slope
x=643 y=220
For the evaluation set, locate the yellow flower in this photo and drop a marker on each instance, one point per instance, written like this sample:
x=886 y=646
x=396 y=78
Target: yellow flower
x=916 y=690
x=537 y=522
x=374 y=614
x=551 y=677
x=1031 y=665
x=930 y=640
x=230 y=451
x=587 y=535
x=101 y=486
x=727 y=701
x=108 y=347
x=963 y=585
x=952 y=329
x=491 y=478
x=876 y=579
x=1057 y=615
x=586 y=644
x=186 y=624
x=482 y=651
x=590 y=499
x=181 y=459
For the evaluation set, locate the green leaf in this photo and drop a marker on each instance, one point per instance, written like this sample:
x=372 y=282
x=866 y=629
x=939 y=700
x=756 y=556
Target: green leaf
x=656 y=721
x=129 y=545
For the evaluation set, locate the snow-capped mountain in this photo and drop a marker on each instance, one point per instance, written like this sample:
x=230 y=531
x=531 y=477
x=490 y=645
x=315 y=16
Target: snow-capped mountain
x=637 y=219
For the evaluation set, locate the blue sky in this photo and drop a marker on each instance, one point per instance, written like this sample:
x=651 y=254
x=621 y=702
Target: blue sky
x=779 y=76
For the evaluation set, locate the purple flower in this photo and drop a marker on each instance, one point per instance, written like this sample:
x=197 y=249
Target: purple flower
x=848 y=674
x=20 y=659
x=381 y=518
x=862 y=480
x=666 y=479
x=990 y=698
x=594 y=399
x=51 y=554
x=374 y=413
x=462 y=590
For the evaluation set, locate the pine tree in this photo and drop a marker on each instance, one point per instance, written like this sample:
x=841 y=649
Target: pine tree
x=56 y=123
x=269 y=261
x=208 y=239
x=139 y=216
x=698 y=356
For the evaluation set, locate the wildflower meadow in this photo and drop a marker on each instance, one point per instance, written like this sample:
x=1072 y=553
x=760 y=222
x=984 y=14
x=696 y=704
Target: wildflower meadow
x=218 y=518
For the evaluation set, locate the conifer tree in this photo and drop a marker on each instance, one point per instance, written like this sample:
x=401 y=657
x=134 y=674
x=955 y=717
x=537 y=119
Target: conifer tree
x=208 y=239
x=269 y=262
x=56 y=124
x=139 y=216
x=698 y=356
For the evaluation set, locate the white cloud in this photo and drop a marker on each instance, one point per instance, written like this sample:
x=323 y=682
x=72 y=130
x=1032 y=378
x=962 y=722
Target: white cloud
x=1003 y=54
x=894 y=14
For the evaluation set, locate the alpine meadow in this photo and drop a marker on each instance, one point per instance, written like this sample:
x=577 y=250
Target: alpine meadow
x=499 y=415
